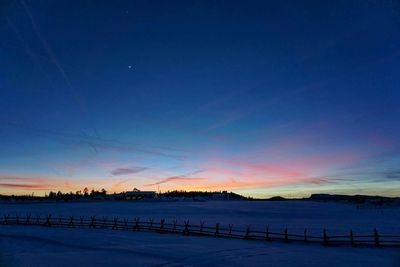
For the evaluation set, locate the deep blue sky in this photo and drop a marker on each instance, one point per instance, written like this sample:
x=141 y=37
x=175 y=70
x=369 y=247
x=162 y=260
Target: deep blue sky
x=260 y=97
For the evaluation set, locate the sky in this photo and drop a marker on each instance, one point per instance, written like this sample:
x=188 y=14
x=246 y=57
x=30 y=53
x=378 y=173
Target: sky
x=262 y=98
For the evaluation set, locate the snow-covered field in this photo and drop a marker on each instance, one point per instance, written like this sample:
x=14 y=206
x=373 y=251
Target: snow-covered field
x=39 y=246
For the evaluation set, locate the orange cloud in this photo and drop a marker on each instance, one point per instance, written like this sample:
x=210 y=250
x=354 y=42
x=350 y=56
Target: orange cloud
x=25 y=186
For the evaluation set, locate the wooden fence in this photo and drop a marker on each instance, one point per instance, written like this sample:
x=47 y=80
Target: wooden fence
x=161 y=226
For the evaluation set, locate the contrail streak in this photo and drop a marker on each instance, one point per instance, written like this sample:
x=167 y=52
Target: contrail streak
x=56 y=62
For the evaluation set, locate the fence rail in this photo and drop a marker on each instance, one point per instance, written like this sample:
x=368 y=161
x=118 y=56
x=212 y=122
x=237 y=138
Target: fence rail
x=161 y=226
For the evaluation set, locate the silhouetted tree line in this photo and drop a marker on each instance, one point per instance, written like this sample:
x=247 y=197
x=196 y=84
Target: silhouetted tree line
x=93 y=194
x=81 y=194
x=85 y=194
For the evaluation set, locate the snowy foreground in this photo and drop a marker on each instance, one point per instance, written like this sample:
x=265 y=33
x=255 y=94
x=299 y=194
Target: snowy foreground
x=40 y=246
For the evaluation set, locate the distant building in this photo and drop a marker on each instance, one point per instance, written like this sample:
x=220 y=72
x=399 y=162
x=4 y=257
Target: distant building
x=133 y=195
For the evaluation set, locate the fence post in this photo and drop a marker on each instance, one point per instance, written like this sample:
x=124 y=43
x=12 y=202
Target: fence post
x=267 y=232
x=230 y=229
x=80 y=221
x=162 y=225
x=325 y=236
x=151 y=220
x=137 y=226
x=104 y=222
x=186 y=230
x=201 y=227
x=247 y=235
x=48 y=223
x=28 y=219
x=305 y=235
x=286 y=235
x=115 y=225
x=351 y=238
x=37 y=219
x=92 y=222
x=174 y=223
x=217 y=229
x=60 y=220
x=126 y=223
x=71 y=221
x=376 y=237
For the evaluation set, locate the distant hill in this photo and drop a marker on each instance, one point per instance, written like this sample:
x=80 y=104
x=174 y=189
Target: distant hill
x=278 y=198
x=353 y=198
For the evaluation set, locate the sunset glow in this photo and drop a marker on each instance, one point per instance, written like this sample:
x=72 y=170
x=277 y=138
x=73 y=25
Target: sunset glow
x=207 y=99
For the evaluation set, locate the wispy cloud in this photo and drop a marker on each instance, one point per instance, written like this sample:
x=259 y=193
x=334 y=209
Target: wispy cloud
x=179 y=178
x=10 y=184
x=234 y=115
x=393 y=174
x=97 y=143
x=318 y=180
x=27 y=183
x=130 y=170
x=26 y=186
x=22 y=179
